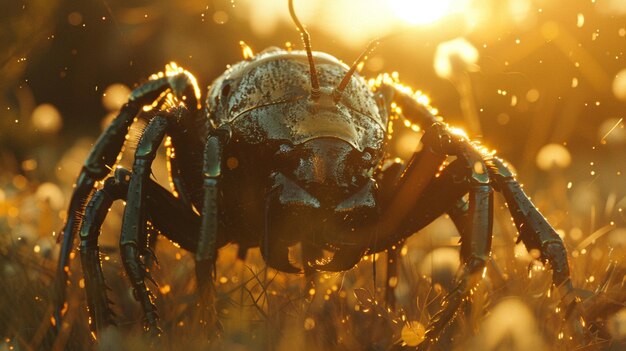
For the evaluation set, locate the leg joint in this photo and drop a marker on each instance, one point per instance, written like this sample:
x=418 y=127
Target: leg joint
x=210 y=182
x=213 y=151
x=94 y=170
x=500 y=170
x=152 y=137
x=476 y=263
x=122 y=176
x=88 y=244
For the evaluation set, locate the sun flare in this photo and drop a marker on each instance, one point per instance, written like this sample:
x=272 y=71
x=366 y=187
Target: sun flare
x=421 y=11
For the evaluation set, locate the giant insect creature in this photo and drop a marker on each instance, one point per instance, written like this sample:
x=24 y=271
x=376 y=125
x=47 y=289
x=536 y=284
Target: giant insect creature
x=288 y=148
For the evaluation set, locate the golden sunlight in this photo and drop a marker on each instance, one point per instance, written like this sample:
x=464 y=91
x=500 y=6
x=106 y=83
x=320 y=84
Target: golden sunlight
x=421 y=11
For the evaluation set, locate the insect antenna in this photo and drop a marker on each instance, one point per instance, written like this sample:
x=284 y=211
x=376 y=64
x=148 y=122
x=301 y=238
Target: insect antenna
x=346 y=79
x=306 y=39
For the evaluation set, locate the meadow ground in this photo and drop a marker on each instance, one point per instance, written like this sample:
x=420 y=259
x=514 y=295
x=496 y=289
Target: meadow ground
x=513 y=309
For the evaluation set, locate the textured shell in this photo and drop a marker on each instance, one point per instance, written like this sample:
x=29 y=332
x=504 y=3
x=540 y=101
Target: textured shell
x=267 y=98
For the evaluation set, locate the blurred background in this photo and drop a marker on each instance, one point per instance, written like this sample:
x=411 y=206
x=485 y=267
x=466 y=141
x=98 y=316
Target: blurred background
x=542 y=82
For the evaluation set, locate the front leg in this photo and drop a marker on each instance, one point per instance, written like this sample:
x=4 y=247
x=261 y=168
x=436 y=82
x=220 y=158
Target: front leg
x=537 y=234
x=206 y=255
x=483 y=171
x=534 y=230
x=467 y=174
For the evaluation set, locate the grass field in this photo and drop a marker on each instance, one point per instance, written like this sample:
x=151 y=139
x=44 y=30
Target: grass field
x=259 y=309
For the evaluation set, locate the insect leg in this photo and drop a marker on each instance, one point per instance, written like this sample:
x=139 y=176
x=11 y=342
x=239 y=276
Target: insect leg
x=177 y=182
x=458 y=214
x=97 y=166
x=390 y=92
x=386 y=180
x=467 y=173
x=439 y=197
x=101 y=159
x=440 y=139
x=172 y=217
x=411 y=186
x=168 y=214
x=537 y=234
x=534 y=230
x=115 y=188
x=134 y=221
x=475 y=252
x=207 y=241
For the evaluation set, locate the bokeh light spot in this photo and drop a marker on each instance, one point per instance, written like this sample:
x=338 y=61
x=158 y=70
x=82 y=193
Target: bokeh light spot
x=75 y=18
x=115 y=96
x=309 y=323
x=617 y=325
x=503 y=119
x=220 y=17
x=51 y=193
x=532 y=95
x=454 y=56
x=619 y=85
x=46 y=118
x=553 y=156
